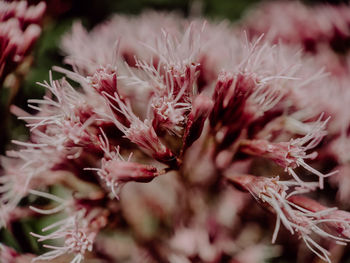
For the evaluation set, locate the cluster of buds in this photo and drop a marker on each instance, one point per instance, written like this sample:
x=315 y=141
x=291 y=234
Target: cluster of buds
x=19 y=29
x=165 y=118
x=116 y=171
x=322 y=32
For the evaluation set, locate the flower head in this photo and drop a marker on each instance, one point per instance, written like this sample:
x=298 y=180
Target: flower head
x=19 y=30
x=115 y=171
x=274 y=194
x=292 y=154
x=78 y=238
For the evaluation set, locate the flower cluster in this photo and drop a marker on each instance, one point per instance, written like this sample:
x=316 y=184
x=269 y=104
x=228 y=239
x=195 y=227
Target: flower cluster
x=296 y=23
x=298 y=214
x=19 y=29
x=169 y=121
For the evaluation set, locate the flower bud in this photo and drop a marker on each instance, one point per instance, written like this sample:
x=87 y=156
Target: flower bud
x=202 y=106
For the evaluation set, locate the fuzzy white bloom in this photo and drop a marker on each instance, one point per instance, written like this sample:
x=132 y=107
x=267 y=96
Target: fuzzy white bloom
x=77 y=232
x=74 y=230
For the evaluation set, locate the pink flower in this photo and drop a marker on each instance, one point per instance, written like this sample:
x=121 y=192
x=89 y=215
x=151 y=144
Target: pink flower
x=9 y=255
x=78 y=238
x=140 y=132
x=115 y=171
x=202 y=106
x=196 y=103
x=292 y=154
x=104 y=80
x=300 y=24
x=78 y=230
x=18 y=32
x=273 y=194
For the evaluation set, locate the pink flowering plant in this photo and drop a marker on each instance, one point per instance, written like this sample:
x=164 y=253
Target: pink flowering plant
x=162 y=128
